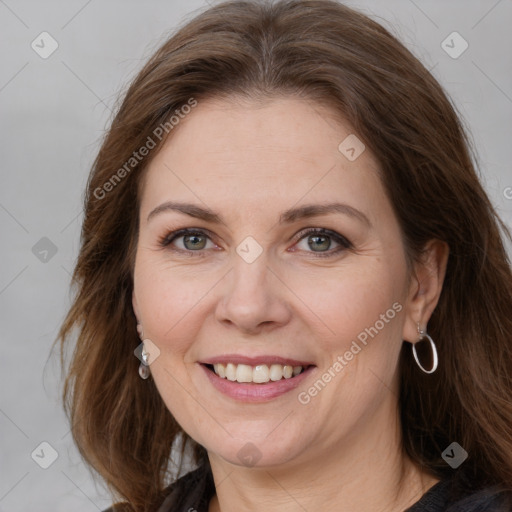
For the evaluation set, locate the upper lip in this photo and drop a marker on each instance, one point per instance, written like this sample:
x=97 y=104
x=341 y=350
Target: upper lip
x=255 y=360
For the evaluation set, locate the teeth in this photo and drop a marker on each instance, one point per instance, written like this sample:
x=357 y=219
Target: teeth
x=287 y=371
x=231 y=372
x=220 y=370
x=243 y=373
x=276 y=372
x=261 y=373
x=258 y=374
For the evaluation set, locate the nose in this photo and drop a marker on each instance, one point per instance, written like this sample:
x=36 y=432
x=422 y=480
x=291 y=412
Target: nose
x=254 y=298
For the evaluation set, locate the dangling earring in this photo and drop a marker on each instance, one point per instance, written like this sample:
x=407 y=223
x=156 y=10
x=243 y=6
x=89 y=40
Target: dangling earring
x=144 y=370
x=424 y=335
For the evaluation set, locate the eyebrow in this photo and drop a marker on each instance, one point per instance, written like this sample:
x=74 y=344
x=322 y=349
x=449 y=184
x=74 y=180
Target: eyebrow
x=286 y=217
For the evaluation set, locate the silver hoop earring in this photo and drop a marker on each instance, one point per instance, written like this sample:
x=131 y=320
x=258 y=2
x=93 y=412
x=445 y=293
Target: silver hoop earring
x=144 y=370
x=424 y=335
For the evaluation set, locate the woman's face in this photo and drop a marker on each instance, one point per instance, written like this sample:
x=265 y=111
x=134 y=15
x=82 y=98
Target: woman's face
x=251 y=288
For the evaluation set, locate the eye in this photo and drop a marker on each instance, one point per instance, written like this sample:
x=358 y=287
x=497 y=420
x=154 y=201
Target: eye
x=193 y=240
x=321 y=239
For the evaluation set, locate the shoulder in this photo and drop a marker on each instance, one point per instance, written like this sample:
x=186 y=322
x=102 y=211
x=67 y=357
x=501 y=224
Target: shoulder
x=192 y=491
x=447 y=496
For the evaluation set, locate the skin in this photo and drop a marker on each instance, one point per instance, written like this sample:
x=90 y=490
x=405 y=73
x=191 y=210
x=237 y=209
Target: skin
x=249 y=161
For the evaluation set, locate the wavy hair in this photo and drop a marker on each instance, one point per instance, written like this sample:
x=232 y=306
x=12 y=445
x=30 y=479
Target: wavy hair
x=326 y=52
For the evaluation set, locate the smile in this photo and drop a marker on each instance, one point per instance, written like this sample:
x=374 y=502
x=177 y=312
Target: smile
x=255 y=379
x=259 y=374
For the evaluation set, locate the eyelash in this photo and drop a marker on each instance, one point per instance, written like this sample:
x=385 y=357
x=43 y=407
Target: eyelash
x=345 y=244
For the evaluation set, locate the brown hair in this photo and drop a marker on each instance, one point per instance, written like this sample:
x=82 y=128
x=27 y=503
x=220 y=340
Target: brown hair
x=326 y=52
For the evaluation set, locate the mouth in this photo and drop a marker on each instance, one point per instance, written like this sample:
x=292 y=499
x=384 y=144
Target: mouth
x=255 y=379
x=258 y=374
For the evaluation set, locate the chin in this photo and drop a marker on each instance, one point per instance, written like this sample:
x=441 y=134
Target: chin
x=252 y=455
x=258 y=446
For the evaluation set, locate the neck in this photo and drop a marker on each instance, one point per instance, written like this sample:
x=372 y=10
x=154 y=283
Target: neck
x=365 y=472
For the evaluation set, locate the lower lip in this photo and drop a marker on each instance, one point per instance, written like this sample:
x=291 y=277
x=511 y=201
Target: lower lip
x=252 y=392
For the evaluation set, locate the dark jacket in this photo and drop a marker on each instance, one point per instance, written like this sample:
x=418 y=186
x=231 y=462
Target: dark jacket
x=193 y=491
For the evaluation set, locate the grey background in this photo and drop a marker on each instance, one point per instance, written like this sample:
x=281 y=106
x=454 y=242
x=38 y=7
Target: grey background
x=54 y=112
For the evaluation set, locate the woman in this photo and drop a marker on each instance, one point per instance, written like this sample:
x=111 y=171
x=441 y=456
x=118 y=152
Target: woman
x=367 y=369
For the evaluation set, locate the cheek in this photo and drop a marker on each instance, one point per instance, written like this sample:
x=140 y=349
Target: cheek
x=168 y=300
x=360 y=308
x=346 y=301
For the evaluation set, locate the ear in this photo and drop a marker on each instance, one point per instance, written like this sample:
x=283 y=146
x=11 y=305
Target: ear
x=425 y=287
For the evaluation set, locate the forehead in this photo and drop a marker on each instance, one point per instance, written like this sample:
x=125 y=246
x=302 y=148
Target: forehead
x=246 y=154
